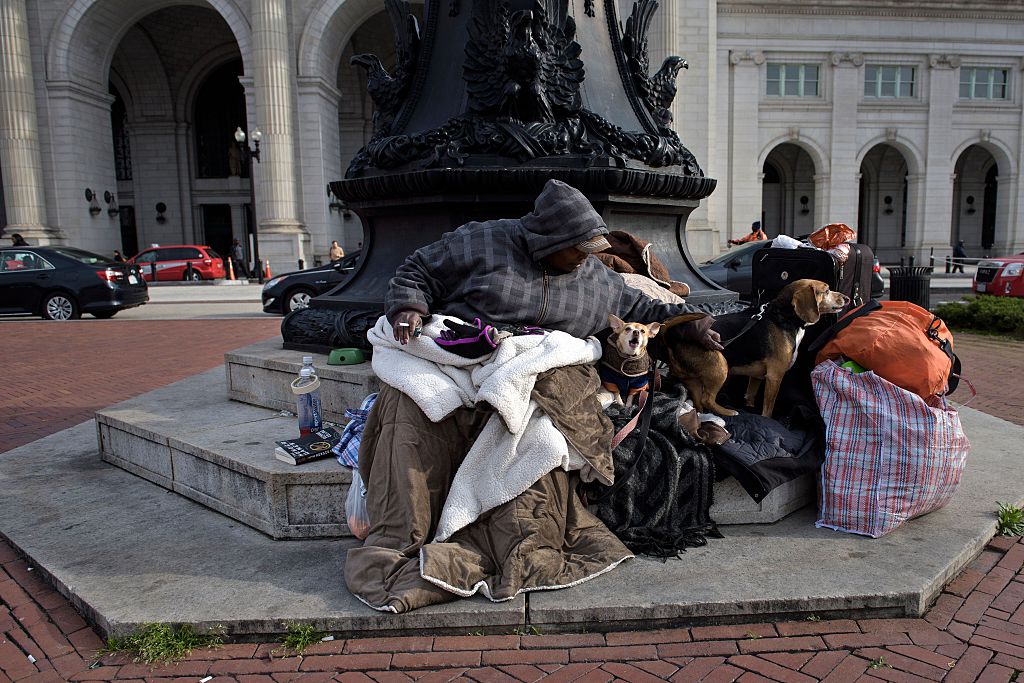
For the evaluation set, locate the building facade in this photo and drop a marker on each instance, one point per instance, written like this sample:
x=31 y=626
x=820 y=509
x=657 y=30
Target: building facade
x=117 y=120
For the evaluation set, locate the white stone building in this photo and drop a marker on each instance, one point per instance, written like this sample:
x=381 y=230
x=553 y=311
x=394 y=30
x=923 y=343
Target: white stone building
x=902 y=119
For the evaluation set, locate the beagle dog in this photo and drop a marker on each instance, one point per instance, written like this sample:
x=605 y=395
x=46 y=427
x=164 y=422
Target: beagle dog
x=760 y=344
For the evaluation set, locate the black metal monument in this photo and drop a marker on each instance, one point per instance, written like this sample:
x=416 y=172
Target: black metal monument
x=487 y=101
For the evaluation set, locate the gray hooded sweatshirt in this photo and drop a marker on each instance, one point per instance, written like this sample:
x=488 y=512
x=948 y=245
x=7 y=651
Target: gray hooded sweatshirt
x=492 y=270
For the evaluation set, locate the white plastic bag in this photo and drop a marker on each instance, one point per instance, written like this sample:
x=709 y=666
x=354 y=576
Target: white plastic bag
x=355 y=507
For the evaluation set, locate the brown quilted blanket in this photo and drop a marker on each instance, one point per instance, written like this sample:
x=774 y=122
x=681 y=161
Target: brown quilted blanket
x=544 y=538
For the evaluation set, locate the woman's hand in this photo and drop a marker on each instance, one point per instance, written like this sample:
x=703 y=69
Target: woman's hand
x=407 y=324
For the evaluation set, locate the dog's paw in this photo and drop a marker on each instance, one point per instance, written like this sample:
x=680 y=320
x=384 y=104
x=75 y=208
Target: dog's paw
x=607 y=398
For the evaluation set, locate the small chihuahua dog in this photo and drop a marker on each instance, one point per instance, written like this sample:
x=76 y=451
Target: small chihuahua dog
x=625 y=365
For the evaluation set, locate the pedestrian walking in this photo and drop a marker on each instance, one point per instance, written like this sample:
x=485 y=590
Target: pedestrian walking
x=237 y=256
x=959 y=254
x=17 y=240
x=336 y=253
x=118 y=257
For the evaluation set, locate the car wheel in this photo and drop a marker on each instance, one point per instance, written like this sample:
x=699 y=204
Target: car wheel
x=60 y=306
x=196 y=276
x=298 y=298
x=103 y=315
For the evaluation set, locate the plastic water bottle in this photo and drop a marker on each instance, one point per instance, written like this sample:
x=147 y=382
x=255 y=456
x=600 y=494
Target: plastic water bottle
x=307 y=362
x=307 y=401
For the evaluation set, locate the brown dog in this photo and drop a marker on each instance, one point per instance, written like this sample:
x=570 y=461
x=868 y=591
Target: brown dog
x=625 y=364
x=764 y=352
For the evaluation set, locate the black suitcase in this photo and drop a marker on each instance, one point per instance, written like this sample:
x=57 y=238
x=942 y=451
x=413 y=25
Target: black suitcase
x=773 y=269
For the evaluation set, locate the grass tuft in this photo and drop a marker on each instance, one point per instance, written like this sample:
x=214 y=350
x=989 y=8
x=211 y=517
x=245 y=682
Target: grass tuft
x=155 y=643
x=300 y=637
x=1010 y=520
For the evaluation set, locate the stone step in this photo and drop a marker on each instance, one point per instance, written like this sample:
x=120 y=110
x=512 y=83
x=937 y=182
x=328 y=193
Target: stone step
x=261 y=374
x=189 y=438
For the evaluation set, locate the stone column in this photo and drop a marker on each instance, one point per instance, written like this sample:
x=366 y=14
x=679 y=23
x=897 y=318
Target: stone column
x=934 y=221
x=689 y=28
x=743 y=188
x=282 y=235
x=19 y=132
x=843 y=189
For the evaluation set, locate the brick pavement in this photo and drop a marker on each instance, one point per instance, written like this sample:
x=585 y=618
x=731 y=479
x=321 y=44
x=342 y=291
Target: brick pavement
x=974 y=632
x=57 y=375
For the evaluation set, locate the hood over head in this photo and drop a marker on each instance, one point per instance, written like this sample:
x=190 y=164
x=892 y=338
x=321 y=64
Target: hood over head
x=562 y=217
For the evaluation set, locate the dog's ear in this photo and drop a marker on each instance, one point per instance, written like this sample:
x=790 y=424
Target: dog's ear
x=653 y=329
x=615 y=323
x=805 y=303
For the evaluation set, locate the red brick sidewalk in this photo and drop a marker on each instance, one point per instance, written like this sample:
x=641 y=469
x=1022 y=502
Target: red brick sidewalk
x=975 y=631
x=57 y=375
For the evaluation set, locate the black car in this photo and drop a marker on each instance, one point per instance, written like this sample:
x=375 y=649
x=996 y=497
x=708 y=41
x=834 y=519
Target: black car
x=733 y=269
x=286 y=293
x=61 y=283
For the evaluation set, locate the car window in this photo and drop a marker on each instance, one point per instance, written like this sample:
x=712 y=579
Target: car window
x=146 y=257
x=82 y=256
x=189 y=253
x=745 y=253
x=17 y=260
x=212 y=253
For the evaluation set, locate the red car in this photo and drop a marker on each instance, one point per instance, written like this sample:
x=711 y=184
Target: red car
x=172 y=263
x=1003 y=276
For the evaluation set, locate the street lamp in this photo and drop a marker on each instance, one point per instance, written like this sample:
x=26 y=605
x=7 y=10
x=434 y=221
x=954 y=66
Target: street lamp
x=248 y=154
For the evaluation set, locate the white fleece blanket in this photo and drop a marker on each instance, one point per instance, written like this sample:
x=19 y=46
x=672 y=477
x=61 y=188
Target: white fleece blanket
x=519 y=444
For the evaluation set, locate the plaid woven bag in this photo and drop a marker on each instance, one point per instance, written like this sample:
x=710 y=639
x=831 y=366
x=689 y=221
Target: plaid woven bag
x=890 y=455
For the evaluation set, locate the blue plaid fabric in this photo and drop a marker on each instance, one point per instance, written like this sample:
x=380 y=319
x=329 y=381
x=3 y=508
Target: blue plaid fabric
x=347 y=449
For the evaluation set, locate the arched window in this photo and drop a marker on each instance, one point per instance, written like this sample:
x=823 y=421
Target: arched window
x=119 y=128
x=219 y=109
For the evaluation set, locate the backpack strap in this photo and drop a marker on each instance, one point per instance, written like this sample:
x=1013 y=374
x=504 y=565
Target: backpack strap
x=843 y=323
x=954 y=369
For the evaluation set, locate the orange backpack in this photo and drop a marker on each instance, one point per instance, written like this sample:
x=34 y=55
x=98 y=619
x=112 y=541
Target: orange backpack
x=898 y=341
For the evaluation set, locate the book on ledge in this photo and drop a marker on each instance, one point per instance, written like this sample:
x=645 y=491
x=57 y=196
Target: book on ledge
x=314 y=446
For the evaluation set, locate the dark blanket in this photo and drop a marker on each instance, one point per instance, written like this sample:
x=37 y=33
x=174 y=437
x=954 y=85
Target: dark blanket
x=662 y=508
x=764 y=453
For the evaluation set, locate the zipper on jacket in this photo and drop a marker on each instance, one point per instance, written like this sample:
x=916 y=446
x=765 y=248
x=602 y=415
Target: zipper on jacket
x=544 y=306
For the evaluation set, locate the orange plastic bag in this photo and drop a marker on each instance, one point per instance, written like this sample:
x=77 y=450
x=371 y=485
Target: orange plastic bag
x=898 y=341
x=832 y=235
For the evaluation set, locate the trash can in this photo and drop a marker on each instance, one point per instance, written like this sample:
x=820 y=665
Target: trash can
x=911 y=283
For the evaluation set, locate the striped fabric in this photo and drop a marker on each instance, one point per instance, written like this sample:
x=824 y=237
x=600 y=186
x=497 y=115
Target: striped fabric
x=889 y=455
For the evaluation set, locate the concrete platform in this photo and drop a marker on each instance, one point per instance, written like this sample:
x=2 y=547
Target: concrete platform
x=187 y=437
x=127 y=553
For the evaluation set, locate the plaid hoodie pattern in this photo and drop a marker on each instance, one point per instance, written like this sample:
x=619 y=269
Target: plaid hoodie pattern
x=491 y=270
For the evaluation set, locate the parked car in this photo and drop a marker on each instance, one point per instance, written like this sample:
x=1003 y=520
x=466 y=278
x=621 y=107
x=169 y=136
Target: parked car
x=733 y=269
x=172 y=263
x=61 y=283
x=1002 y=276
x=286 y=293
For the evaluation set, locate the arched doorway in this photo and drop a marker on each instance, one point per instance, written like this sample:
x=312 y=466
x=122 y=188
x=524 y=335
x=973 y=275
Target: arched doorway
x=975 y=198
x=355 y=108
x=882 y=209
x=182 y=102
x=787 y=192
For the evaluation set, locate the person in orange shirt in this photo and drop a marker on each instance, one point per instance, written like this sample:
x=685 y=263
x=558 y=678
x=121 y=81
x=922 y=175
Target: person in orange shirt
x=756 y=234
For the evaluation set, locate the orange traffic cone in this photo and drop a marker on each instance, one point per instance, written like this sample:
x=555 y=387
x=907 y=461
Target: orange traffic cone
x=268 y=276
x=231 y=269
